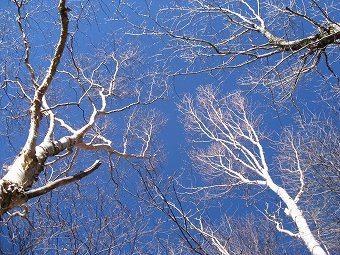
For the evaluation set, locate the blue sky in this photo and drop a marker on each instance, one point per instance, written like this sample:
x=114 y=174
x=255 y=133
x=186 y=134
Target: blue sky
x=99 y=29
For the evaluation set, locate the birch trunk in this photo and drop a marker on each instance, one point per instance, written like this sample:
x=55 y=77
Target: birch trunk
x=296 y=214
x=29 y=163
x=25 y=170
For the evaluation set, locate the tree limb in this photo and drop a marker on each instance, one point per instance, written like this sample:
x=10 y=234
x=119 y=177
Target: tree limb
x=35 y=109
x=63 y=181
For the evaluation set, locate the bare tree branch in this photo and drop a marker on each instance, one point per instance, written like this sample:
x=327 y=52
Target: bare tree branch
x=235 y=152
x=62 y=181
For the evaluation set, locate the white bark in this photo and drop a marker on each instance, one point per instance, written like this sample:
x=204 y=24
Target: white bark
x=236 y=152
x=293 y=211
x=28 y=164
x=25 y=169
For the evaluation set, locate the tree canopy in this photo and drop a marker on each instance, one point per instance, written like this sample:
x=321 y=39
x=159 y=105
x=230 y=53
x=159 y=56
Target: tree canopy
x=170 y=127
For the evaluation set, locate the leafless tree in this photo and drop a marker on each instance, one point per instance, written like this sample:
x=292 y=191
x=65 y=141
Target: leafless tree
x=190 y=229
x=315 y=147
x=69 y=107
x=67 y=96
x=69 y=103
x=279 y=45
x=280 y=42
x=230 y=150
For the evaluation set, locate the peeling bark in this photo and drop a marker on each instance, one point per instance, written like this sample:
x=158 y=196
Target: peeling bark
x=25 y=170
x=11 y=196
x=315 y=42
x=30 y=161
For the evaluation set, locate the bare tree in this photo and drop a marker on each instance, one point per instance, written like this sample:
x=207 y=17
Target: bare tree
x=74 y=103
x=68 y=105
x=280 y=42
x=315 y=147
x=202 y=225
x=230 y=151
x=280 y=45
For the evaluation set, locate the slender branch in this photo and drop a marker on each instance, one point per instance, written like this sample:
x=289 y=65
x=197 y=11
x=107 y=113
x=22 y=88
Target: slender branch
x=305 y=17
x=26 y=44
x=62 y=182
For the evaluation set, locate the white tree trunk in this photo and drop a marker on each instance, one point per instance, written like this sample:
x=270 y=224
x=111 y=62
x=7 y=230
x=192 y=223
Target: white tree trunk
x=25 y=170
x=295 y=213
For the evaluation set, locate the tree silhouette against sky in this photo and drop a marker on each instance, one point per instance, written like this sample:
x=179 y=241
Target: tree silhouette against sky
x=92 y=166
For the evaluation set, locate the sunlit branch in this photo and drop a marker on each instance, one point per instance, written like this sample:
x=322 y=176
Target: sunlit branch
x=63 y=181
x=298 y=165
x=35 y=109
x=236 y=152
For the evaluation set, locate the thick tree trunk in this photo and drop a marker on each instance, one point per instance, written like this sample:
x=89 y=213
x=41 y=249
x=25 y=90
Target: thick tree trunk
x=29 y=163
x=25 y=170
x=295 y=213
